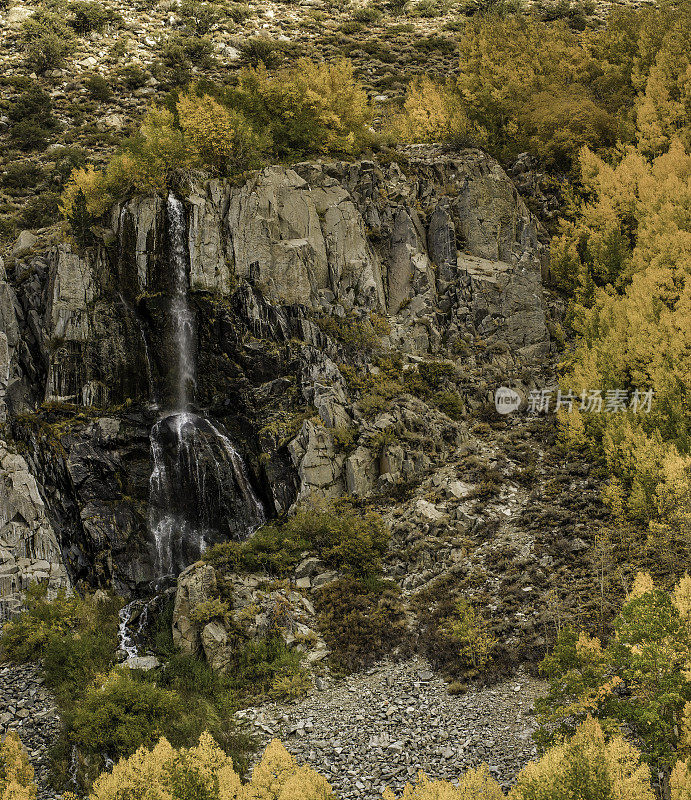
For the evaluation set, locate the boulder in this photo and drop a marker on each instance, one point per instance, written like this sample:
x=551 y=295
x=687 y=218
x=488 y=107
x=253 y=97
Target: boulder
x=23 y=243
x=214 y=639
x=197 y=584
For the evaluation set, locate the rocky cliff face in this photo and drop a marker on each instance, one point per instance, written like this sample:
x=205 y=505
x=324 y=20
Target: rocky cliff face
x=318 y=292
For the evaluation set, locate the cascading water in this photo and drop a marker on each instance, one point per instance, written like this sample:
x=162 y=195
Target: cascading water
x=199 y=491
x=126 y=640
x=181 y=314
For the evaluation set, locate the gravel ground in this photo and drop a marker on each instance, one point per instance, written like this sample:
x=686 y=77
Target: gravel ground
x=379 y=728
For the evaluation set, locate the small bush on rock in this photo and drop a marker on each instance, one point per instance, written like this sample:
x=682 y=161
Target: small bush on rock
x=456 y=638
x=89 y=15
x=361 y=621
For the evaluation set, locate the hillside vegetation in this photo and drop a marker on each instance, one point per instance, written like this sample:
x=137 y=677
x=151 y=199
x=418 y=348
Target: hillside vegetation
x=597 y=103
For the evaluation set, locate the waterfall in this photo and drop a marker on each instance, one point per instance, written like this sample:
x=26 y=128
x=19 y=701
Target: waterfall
x=181 y=315
x=199 y=490
x=125 y=641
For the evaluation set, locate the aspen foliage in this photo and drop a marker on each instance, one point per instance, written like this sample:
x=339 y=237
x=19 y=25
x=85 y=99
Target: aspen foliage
x=217 y=137
x=16 y=773
x=433 y=112
x=475 y=784
x=627 y=260
x=663 y=109
x=90 y=181
x=164 y=773
x=642 y=584
x=681 y=597
x=307 y=108
x=586 y=766
x=680 y=781
x=310 y=107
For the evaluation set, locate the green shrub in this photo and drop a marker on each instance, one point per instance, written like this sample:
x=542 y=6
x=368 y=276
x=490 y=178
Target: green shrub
x=29 y=135
x=8 y=228
x=238 y=12
x=361 y=621
x=288 y=687
x=42 y=22
x=89 y=15
x=98 y=88
x=427 y=8
x=47 y=51
x=367 y=15
x=182 y=52
x=436 y=373
x=208 y=610
x=450 y=403
x=455 y=637
x=308 y=108
x=22 y=175
x=66 y=159
x=260 y=50
x=344 y=438
x=74 y=637
x=199 y=18
x=257 y=665
x=80 y=221
x=33 y=103
x=41 y=210
x=356 y=332
x=120 y=715
x=210 y=700
x=132 y=76
x=430 y=43
x=176 y=64
x=344 y=539
x=350 y=27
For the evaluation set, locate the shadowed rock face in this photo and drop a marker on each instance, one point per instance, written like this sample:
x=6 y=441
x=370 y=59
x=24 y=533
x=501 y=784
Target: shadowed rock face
x=446 y=247
x=439 y=247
